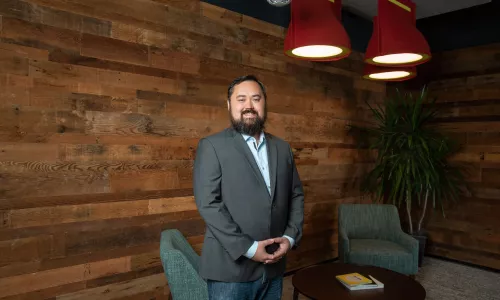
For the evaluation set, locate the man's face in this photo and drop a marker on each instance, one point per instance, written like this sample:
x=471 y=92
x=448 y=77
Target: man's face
x=247 y=108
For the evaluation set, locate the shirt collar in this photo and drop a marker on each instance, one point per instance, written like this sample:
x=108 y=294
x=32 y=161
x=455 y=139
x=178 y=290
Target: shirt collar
x=261 y=138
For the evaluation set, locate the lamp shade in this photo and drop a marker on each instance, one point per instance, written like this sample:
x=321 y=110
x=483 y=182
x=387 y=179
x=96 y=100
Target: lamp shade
x=395 y=39
x=315 y=32
x=395 y=73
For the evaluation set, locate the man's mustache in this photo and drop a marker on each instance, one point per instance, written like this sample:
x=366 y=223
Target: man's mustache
x=250 y=110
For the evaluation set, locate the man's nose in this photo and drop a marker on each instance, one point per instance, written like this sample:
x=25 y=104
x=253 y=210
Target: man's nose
x=249 y=104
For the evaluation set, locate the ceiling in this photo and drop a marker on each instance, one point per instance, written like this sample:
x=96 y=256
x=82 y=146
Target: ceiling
x=425 y=8
x=446 y=24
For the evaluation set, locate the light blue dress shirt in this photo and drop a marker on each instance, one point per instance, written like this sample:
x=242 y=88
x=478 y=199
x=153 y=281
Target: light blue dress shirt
x=259 y=151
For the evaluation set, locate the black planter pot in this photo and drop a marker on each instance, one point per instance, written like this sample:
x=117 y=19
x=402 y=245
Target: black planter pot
x=422 y=240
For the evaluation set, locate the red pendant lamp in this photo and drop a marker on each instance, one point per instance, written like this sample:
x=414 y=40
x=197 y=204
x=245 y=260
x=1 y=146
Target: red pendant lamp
x=394 y=73
x=395 y=39
x=315 y=32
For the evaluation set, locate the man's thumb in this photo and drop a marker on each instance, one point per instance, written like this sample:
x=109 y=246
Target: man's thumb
x=268 y=242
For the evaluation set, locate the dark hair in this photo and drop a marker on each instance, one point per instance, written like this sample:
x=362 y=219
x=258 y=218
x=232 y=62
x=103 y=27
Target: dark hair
x=241 y=79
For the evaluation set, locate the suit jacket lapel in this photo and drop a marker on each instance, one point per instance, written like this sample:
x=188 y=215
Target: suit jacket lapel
x=272 y=157
x=242 y=147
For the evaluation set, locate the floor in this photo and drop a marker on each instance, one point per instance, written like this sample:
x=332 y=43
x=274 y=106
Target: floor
x=444 y=280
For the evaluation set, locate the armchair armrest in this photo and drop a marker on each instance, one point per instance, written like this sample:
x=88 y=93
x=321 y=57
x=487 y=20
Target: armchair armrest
x=409 y=243
x=344 y=247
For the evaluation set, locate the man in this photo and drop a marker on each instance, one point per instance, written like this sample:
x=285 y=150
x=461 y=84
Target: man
x=248 y=191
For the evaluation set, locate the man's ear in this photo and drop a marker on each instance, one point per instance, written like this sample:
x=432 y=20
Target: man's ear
x=228 y=105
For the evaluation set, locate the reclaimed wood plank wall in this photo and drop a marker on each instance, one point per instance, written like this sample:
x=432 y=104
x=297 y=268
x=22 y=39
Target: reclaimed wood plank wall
x=466 y=83
x=102 y=103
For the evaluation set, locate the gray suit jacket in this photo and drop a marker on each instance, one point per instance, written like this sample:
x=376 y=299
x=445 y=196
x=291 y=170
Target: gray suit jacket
x=232 y=197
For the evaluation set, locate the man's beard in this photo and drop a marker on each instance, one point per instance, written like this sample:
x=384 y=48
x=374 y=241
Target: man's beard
x=251 y=129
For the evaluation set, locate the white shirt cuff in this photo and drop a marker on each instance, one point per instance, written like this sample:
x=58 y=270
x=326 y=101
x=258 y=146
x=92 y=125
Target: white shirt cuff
x=292 y=241
x=251 y=251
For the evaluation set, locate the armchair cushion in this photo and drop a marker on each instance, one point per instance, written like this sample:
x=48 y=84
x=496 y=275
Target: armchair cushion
x=381 y=253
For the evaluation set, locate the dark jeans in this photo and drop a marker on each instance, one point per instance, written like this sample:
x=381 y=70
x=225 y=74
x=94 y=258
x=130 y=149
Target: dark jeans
x=261 y=289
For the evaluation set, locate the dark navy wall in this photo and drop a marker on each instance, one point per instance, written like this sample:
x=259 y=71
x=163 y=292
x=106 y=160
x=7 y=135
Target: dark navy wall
x=478 y=25
x=475 y=26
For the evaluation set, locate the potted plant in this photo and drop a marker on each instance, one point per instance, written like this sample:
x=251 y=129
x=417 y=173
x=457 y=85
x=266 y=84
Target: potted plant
x=411 y=166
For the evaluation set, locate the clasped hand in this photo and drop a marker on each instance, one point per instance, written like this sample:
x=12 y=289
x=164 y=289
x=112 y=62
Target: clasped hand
x=262 y=256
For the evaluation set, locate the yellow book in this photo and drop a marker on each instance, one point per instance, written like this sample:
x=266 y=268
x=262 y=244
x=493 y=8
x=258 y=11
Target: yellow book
x=353 y=279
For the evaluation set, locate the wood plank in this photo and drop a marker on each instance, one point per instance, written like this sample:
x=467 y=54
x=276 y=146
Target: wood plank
x=20 y=268
x=27 y=151
x=52 y=184
x=92 y=241
x=82 y=102
x=160 y=100
x=27 y=52
x=332 y=171
x=143 y=181
x=464 y=241
x=167 y=205
x=142 y=82
x=13 y=97
x=321 y=190
x=48 y=293
x=34 y=248
x=220 y=14
x=52 y=278
x=180 y=220
x=42 y=216
x=122 y=289
x=63 y=99
x=217 y=69
x=192 y=22
x=264 y=62
x=4 y=219
x=87 y=8
x=91 y=167
x=38 y=36
x=61 y=74
x=483 y=138
x=190 y=5
x=114 y=50
x=120 y=153
x=96 y=26
x=137 y=124
x=53 y=17
x=12 y=63
x=13 y=82
x=67 y=74
x=76 y=59
x=134 y=34
x=147 y=260
x=107 y=280
x=174 y=61
x=466 y=255
x=490 y=176
x=34 y=202
x=33 y=125
x=478 y=126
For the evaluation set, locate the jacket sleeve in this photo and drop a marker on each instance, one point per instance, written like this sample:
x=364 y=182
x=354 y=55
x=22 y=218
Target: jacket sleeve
x=296 y=210
x=207 y=177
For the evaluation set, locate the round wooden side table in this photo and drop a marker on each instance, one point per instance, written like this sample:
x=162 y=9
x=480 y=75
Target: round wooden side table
x=319 y=282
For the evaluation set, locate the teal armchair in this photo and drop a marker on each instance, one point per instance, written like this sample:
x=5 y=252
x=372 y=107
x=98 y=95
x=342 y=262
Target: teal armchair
x=180 y=263
x=371 y=234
